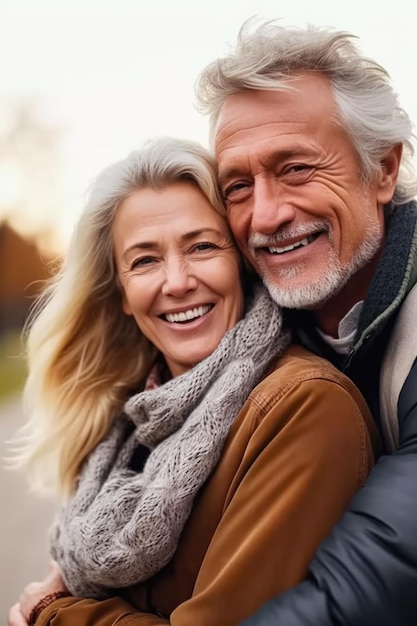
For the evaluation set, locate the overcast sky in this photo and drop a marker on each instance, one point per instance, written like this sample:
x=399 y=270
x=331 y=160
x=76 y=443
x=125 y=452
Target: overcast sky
x=111 y=74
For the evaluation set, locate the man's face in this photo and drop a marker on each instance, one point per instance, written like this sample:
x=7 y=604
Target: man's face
x=295 y=197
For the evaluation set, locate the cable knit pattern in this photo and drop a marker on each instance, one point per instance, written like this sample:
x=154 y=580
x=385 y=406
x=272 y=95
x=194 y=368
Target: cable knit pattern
x=121 y=527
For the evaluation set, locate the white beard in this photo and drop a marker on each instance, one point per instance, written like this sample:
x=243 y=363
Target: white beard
x=328 y=284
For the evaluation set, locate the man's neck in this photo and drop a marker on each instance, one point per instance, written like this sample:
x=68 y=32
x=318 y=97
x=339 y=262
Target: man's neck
x=329 y=315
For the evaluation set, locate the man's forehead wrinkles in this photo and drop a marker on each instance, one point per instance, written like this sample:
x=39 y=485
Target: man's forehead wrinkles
x=235 y=127
x=271 y=132
x=241 y=126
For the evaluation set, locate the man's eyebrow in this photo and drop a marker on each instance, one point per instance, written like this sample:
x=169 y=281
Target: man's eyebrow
x=296 y=151
x=228 y=173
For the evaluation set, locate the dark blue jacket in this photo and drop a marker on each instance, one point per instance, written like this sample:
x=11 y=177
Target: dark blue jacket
x=365 y=572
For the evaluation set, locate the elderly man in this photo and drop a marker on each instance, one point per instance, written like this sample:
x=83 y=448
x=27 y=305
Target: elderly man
x=314 y=156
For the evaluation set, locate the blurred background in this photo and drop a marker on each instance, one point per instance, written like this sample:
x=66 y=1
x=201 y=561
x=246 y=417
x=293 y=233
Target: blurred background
x=82 y=82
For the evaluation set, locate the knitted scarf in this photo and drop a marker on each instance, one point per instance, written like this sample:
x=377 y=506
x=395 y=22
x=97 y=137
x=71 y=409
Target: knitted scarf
x=122 y=526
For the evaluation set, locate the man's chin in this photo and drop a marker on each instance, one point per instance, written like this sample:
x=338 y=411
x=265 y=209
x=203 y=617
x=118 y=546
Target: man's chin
x=309 y=297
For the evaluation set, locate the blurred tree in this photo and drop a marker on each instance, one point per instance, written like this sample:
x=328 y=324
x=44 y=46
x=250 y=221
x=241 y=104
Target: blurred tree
x=24 y=268
x=30 y=197
x=30 y=165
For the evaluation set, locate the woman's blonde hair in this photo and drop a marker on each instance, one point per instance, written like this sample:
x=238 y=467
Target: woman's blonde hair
x=84 y=354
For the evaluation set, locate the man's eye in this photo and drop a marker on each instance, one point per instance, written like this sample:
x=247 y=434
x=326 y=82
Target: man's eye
x=235 y=188
x=297 y=168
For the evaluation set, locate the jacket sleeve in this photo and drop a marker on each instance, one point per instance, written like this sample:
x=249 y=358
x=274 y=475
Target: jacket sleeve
x=301 y=467
x=365 y=573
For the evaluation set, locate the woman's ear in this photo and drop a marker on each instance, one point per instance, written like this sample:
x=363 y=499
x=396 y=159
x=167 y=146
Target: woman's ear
x=388 y=174
x=125 y=303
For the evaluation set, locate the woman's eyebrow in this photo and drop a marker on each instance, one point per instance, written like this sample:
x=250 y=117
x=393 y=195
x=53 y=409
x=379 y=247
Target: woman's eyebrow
x=200 y=231
x=149 y=245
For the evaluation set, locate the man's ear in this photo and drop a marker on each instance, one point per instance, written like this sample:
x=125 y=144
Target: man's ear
x=388 y=174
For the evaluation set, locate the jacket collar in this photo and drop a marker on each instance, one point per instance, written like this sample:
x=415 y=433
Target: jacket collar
x=395 y=275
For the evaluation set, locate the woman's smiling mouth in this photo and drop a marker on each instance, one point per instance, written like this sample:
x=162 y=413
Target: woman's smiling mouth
x=187 y=316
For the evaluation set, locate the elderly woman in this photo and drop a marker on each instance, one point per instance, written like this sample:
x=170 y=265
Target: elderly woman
x=193 y=448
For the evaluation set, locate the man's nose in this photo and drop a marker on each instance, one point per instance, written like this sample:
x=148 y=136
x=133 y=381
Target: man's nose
x=271 y=209
x=179 y=278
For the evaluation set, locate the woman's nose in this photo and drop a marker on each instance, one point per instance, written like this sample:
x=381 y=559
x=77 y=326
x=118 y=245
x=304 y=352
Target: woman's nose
x=179 y=279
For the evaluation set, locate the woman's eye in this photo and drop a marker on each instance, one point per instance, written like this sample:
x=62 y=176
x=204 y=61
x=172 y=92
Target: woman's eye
x=142 y=262
x=203 y=246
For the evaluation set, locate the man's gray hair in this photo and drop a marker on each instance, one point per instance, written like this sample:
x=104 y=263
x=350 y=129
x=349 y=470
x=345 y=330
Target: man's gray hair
x=268 y=56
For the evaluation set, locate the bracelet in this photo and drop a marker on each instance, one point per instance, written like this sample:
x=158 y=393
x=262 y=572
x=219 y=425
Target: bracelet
x=43 y=603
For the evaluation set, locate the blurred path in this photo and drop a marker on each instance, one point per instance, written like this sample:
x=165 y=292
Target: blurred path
x=24 y=520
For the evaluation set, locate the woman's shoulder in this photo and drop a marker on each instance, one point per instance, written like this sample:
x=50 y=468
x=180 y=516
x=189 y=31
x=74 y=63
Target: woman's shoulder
x=300 y=370
x=305 y=403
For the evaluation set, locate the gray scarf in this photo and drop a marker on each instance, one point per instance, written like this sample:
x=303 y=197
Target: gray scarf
x=122 y=526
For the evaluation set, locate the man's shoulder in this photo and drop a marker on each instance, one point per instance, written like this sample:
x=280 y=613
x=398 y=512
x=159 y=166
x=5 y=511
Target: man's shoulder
x=398 y=360
x=305 y=389
x=295 y=367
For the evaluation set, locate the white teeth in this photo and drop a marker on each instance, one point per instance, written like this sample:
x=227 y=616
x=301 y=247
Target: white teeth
x=294 y=246
x=186 y=316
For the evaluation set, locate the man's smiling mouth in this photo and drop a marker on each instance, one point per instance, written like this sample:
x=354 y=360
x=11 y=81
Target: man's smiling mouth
x=188 y=315
x=293 y=246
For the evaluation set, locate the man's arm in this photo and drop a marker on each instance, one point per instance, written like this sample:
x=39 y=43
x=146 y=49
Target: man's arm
x=365 y=573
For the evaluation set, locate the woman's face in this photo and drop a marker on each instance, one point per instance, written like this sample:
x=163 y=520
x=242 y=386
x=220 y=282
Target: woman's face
x=179 y=271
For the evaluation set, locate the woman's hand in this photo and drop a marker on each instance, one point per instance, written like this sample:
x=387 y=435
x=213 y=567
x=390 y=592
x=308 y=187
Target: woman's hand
x=33 y=593
x=15 y=616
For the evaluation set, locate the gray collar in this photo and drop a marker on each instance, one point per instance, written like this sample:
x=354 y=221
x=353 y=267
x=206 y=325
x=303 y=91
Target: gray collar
x=343 y=343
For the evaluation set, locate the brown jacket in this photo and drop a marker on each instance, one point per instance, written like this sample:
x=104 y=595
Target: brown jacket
x=300 y=448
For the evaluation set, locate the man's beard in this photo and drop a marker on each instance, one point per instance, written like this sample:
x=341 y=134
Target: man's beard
x=328 y=284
